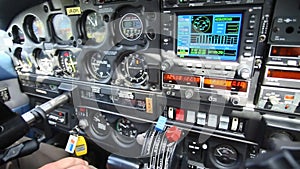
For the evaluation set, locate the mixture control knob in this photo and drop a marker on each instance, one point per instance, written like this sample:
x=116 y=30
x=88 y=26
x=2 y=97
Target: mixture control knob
x=189 y=93
x=173 y=134
x=167 y=65
x=244 y=72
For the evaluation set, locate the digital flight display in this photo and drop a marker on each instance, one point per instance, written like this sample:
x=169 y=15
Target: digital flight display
x=209 y=36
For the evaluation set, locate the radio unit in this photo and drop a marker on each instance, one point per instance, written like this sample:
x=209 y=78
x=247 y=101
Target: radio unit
x=281 y=84
x=209 y=52
x=192 y=3
x=284 y=55
x=213 y=42
x=227 y=91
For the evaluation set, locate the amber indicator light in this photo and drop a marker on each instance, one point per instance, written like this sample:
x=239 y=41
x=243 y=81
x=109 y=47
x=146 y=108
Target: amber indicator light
x=289 y=97
x=232 y=85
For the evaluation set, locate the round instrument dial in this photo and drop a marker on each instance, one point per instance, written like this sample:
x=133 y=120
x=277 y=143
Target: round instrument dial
x=225 y=155
x=134 y=68
x=68 y=63
x=100 y=68
x=18 y=35
x=99 y=124
x=131 y=26
x=35 y=28
x=44 y=62
x=63 y=27
x=126 y=128
x=94 y=26
x=201 y=24
x=27 y=62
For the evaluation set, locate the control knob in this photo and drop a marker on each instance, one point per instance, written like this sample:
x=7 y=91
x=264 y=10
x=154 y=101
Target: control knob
x=167 y=65
x=189 y=93
x=235 y=100
x=244 y=71
x=83 y=124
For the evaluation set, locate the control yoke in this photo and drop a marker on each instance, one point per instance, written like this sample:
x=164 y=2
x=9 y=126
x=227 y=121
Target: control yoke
x=16 y=127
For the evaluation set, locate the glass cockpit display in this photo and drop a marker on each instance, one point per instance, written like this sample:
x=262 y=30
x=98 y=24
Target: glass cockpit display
x=209 y=36
x=62 y=26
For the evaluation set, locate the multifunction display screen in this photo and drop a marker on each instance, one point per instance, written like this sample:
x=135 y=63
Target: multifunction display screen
x=209 y=36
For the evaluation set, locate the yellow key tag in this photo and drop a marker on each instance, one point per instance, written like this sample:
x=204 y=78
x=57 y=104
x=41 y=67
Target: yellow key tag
x=81 y=147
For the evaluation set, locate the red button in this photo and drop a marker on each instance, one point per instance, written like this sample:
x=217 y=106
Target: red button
x=173 y=134
x=179 y=115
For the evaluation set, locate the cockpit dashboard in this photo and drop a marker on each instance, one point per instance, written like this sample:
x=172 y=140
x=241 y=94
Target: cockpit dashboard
x=177 y=83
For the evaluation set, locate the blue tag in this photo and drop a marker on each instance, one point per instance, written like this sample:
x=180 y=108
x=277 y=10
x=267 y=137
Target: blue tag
x=161 y=123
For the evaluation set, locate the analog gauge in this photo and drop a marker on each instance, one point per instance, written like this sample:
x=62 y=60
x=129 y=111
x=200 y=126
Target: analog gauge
x=126 y=128
x=62 y=27
x=99 y=67
x=35 y=28
x=134 y=68
x=225 y=155
x=99 y=124
x=94 y=27
x=68 y=63
x=131 y=26
x=28 y=64
x=44 y=62
x=18 y=35
x=202 y=24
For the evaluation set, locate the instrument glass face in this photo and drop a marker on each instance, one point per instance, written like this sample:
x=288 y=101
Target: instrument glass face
x=95 y=27
x=63 y=27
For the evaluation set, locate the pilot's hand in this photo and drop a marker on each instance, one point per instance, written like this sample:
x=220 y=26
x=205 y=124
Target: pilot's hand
x=67 y=163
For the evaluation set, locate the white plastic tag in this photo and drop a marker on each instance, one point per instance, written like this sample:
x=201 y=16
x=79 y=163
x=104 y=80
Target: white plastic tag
x=71 y=145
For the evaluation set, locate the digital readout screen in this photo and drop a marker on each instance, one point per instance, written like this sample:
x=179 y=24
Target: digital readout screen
x=182 y=80
x=209 y=36
x=285 y=74
x=285 y=51
x=232 y=85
